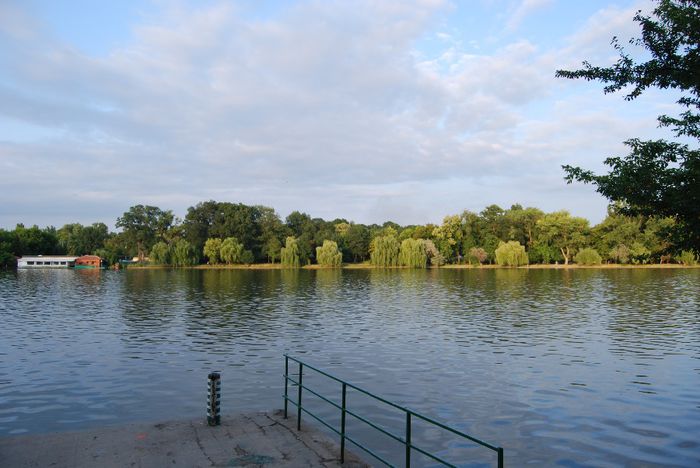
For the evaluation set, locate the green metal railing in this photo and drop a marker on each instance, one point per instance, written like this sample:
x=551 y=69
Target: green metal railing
x=405 y=440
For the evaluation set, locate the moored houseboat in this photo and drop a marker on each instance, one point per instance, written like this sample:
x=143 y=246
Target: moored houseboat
x=46 y=261
x=89 y=262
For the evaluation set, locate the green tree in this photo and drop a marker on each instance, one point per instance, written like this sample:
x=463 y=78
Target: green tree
x=272 y=249
x=588 y=256
x=35 y=241
x=7 y=257
x=289 y=254
x=614 y=231
x=561 y=231
x=413 y=253
x=76 y=239
x=358 y=241
x=511 y=253
x=183 y=254
x=232 y=251
x=114 y=249
x=544 y=254
x=620 y=254
x=657 y=177
x=521 y=223
x=328 y=254
x=448 y=237
x=160 y=253
x=212 y=250
x=384 y=251
x=304 y=229
x=143 y=226
x=271 y=231
x=222 y=219
x=639 y=253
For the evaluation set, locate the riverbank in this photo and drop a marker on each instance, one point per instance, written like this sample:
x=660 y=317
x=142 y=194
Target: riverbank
x=253 y=439
x=367 y=266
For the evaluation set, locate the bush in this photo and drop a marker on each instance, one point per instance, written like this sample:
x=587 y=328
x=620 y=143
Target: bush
x=329 y=254
x=588 y=257
x=511 y=253
x=384 y=251
x=687 y=257
x=413 y=254
x=289 y=254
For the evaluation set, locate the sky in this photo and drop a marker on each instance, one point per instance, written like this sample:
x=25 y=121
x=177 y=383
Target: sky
x=371 y=111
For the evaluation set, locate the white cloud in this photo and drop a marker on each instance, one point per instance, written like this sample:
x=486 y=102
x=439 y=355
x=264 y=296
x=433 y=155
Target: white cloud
x=523 y=10
x=324 y=108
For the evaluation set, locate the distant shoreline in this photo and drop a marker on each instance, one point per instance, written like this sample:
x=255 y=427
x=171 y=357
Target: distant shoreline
x=367 y=266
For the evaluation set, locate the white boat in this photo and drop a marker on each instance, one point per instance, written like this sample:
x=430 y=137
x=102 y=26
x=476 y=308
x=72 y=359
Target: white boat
x=46 y=261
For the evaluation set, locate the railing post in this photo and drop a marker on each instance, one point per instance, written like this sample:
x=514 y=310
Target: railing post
x=408 y=439
x=286 y=383
x=301 y=375
x=342 y=425
x=500 y=457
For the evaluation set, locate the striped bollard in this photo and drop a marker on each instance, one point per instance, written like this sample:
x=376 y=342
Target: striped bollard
x=214 y=399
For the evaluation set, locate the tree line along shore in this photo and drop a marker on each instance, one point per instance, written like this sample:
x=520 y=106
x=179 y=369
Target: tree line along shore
x=223 y=234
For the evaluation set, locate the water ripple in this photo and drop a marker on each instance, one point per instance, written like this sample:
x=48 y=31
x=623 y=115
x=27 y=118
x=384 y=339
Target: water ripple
x=561 y=367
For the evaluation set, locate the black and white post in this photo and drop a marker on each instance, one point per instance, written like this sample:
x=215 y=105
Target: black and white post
x=214 y=399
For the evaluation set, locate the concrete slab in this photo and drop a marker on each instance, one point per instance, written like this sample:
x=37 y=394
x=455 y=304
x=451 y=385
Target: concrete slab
x=253 y=439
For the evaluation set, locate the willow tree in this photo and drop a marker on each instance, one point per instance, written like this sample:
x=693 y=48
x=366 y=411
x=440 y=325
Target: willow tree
x=329 y=254
x=212 y=250
x=231 y=250
x=183 y=254
x=384 y=251
x=160 y=253
x=413 y=253
x=511 y=253
x=289 y=254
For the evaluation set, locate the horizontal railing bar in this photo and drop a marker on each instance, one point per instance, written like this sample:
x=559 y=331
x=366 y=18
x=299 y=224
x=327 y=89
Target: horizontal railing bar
x=371 y=424
x=434 y=457
x=421 y=416
x=317 y=370
x=347 y=411
x=455 y=431
x=320 y=420
x=349 y=385
x=368 y=451
x=330 y=402
x=347 y=437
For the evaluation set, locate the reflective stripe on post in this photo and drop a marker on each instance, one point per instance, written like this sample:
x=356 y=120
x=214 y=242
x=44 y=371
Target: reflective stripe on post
x=214 y=399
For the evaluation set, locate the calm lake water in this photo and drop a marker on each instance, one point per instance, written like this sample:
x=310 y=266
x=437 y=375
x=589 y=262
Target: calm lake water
x=570 y=368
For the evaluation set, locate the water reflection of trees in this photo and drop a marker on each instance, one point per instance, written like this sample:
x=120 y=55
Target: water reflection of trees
x=651 y=312
x=512 y=308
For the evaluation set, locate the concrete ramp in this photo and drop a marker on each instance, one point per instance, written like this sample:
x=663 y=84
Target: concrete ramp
x=253 y=440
